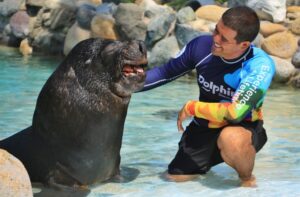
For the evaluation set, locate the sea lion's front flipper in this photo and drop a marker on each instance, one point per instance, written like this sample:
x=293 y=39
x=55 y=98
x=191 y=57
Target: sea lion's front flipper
x=64 y=183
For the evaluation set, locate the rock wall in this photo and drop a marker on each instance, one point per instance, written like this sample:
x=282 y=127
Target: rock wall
x=56 y=26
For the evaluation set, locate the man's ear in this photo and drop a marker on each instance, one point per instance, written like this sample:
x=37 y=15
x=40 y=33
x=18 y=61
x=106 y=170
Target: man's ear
x=245 y=44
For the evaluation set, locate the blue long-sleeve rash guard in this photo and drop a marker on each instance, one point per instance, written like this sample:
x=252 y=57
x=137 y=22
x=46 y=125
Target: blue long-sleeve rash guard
x=230 y=90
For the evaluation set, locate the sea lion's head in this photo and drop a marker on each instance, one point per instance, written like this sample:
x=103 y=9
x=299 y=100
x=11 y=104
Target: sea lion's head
x=102 y=65
x=127 y=71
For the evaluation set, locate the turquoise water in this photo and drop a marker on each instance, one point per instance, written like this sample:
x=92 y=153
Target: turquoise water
x=151 y=137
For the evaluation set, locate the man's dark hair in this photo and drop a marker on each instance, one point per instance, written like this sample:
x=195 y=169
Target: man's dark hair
x=244 y=21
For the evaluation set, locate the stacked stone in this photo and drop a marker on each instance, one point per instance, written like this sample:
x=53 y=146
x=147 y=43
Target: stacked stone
x=55 y=27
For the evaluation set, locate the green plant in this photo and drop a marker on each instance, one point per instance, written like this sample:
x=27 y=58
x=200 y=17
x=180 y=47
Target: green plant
x=177 y=4
x=127 y=1
x=221 y=1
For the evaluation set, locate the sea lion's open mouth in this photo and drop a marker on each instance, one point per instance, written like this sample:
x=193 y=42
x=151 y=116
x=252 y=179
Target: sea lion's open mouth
x=132 y=70
x=132 y=78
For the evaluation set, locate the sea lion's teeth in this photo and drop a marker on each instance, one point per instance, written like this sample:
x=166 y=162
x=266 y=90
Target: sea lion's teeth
x=132 y=70
x=139 y=70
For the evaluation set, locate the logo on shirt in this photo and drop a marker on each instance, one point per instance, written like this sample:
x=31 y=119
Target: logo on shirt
x=209 y=86
x=248 y=89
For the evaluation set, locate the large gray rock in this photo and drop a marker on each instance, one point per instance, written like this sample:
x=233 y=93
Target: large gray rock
x=129 y=22
x=284 y=70
x=8 y=38
x=159 y=27
x=61 y=18
x=275 y=8
x=292 y=2
x=14 y=179
x=3 y=22
x=106 y=9
x=50 y=27
x=48 y=42
x=185 y=33
x=185 y=14
x=296 y=58
x=84 y=15
x=8 y=7
x=151 y=8
x=163 y=51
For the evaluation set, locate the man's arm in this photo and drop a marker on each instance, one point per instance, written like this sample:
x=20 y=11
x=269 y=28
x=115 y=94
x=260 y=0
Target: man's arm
x=195 y=51
x=170 y=71
x=184 y=62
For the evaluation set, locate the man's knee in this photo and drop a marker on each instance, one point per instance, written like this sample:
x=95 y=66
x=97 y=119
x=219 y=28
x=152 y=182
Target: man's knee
x=235 y=144
x=234 y=139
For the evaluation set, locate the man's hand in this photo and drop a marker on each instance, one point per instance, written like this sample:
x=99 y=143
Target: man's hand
x=183 y=114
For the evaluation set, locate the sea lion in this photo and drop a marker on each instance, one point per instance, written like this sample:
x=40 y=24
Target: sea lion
x=77 y=126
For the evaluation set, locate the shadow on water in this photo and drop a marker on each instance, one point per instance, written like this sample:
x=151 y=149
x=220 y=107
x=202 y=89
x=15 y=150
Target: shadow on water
x=209 y=180
x=128 y=174
x=214 y=181
x=167 y=114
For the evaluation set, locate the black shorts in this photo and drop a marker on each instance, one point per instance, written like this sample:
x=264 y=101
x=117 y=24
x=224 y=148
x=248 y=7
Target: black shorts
x=198 y=150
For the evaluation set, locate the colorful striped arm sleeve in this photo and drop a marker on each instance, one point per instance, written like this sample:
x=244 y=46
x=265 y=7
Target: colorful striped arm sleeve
x=246 y=101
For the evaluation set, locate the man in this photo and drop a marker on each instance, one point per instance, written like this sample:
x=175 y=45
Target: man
x=233 y=77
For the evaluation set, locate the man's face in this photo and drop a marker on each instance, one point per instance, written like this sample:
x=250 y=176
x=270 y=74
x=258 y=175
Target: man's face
x=225 y=44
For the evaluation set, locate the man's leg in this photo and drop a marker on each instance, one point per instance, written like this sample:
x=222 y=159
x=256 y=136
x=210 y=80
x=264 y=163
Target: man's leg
x=196 y=149
x=181 y=177
x=235 y=144
x=183 y=162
